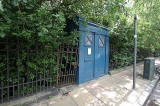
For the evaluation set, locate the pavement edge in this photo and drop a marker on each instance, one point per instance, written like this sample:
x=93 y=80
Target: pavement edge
x=150 y=88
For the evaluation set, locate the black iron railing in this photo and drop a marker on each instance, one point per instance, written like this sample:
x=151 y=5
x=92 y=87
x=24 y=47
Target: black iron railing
x=68 y=63
x=17 y=80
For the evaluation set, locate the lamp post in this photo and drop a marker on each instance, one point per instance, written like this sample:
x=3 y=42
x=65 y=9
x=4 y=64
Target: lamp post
x=135 y=51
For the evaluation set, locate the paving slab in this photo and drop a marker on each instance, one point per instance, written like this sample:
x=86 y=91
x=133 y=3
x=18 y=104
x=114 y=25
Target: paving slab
x=109 y=90
x=62 y=101
x=84 y=98
x=107 y=96
x=57 y=101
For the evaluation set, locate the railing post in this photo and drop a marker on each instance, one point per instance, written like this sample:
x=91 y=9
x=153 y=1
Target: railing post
x=28 y=51
x=23 y=86
x=57 y=73
x=13 y=88
x=37 y=64
x=40 y=81
x=18 y=65
x=7 y=68
x=32 y=86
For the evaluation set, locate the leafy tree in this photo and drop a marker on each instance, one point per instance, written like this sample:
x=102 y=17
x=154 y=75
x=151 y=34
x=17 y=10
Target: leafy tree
x=45 y=21
x=148 y=24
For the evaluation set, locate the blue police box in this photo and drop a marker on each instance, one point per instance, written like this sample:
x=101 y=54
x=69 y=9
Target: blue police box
x=93 y=51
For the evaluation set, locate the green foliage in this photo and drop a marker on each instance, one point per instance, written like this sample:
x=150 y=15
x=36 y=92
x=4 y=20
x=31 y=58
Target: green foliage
x=148 y=32
x=118 y=17
x=40 y=27
x=44 y=22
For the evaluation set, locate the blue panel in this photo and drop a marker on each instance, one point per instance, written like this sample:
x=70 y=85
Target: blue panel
x=86 y=57
x=89 y=28
x=99 y=55
x=92 y=27
x=93 y=52
x=107 y=56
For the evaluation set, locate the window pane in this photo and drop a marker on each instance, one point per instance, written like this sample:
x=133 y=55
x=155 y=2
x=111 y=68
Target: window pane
x=101 y=41
x=88 y=39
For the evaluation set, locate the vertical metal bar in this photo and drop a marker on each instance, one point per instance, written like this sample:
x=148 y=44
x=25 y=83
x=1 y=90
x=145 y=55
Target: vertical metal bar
x=37 y=64
x=68 y=57
x=27 y=71
x=13 y=88
x=44 y=82
x=61 y=72
x=2 y=92
x=70 y=71
x=65 y=65
x=18 y=65
x=7 y=69
x=74 y=54
x=23 y=86
x=32 y=86
x=50 y=75
x=61 y=58
x=77 y=57
x=57 y=71
x=47 y=81
x=66 y=71
x=135 y=51
x=60 y=65
x=75 y=62
x=40 y=81
x=60 y=75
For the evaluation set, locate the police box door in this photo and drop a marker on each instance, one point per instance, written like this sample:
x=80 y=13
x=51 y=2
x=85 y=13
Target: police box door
x=94 y=58
x=99 y=67
x=86 y=57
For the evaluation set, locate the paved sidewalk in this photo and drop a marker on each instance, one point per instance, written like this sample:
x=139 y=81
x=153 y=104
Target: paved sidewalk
x=154 y=99
x=109 y=90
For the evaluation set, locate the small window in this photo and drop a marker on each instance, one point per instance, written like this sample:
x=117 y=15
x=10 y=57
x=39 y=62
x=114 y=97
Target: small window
x=101 y=41
x=88 y=39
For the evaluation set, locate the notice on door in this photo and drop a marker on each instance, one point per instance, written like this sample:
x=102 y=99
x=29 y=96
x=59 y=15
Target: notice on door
x=89 y=51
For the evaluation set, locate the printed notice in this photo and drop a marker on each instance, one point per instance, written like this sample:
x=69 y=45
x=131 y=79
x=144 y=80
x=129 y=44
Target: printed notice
x=89 y=51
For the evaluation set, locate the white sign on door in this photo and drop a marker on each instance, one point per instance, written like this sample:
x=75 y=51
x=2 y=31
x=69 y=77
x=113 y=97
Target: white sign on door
x=89 y=51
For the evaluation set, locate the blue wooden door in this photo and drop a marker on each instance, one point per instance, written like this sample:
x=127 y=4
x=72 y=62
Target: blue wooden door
x=93 y=51
x=86 y=57
x=100 y=57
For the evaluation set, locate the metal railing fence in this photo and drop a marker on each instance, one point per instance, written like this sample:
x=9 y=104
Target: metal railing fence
x=22 y=78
